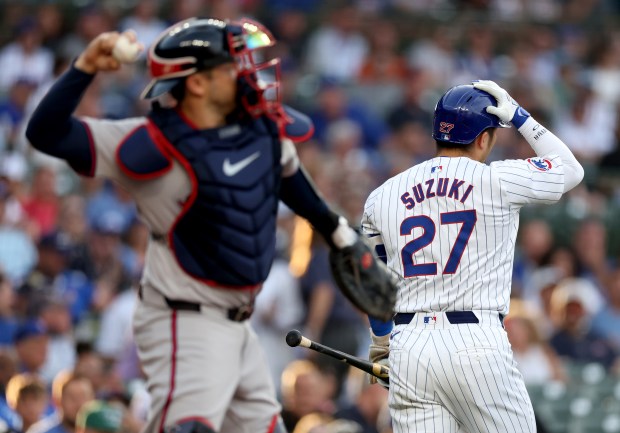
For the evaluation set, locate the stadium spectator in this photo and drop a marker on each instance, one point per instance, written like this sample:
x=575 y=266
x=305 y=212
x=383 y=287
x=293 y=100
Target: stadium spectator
x=607 y=321
x=69 y=393
x=574 y=339
x=27 y=396
x=537 y=362
x=341 y=33
x=42 y=203
x=55 y=315
x=99 y=417
x=383 y=63
x=115 y=325
x=367 y=405
x=439 y=46
x=25 y=58
x=305 y=390
x=590 y=246
x=92 y=20
x=8 y=368
x=144 y=21
x=52 y=279
x=334 y=104
x=8 y=321
x=587 y=125
x=412 y=108
x=31 y=343
x=535 y=244
x=17 y=252
x=12 y=112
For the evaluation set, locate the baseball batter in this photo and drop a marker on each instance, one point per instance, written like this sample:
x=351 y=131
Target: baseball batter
x=207 y=176
x=447 y=228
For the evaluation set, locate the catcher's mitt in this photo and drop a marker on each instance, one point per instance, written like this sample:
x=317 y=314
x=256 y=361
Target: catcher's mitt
x=364 y=280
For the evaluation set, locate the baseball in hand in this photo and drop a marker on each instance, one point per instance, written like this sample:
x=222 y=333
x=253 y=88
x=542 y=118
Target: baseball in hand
x=125 y=50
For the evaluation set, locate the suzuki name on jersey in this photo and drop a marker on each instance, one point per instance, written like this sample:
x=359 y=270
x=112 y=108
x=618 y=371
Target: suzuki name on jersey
x=437 y=187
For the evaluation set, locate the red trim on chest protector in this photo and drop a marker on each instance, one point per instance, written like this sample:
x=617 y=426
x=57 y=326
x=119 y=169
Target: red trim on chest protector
x=153 y=134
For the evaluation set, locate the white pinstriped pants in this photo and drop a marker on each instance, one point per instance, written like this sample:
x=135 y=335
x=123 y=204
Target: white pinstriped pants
x=456 y=378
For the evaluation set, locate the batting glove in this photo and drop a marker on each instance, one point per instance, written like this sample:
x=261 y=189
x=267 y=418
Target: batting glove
x=379 y=353
x=508 y=110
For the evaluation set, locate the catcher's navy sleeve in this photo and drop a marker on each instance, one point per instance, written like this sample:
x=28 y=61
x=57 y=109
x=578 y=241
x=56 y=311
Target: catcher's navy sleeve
x=53 y=130
x=300 y=195
x=379 y=327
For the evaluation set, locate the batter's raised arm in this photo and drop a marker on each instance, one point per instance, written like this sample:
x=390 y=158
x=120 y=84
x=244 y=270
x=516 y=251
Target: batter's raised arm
x=543 y=141
x=52 y=128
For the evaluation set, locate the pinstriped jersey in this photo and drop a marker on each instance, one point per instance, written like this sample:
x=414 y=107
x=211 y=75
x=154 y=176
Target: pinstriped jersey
x=447 y=227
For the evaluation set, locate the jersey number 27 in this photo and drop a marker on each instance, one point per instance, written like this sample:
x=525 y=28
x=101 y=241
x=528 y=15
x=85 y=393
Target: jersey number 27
x=468 y=220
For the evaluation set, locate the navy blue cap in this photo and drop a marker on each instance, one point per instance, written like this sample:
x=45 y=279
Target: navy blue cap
x=31 y=328
x=56 y=241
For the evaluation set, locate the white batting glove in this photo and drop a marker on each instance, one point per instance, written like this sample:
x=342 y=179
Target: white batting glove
x=507 y=110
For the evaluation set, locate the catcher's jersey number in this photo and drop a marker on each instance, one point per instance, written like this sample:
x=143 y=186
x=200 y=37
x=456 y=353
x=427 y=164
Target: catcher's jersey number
x=468 y=220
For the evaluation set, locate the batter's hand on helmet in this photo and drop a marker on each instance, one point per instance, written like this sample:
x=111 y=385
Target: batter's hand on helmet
x=379 y=352
x=364 y=279
x=98 y=54
x=508 y=110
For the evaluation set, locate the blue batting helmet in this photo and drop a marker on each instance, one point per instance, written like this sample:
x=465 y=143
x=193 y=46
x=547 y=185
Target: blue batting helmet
x=461 y=115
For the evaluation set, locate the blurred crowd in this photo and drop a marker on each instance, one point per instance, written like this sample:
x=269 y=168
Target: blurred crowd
x=368 y=73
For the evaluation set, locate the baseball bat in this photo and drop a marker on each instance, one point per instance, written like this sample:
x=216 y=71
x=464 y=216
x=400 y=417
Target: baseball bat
x=294 y=339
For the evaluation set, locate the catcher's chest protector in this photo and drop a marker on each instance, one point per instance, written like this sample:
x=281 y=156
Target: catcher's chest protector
x=224 y=234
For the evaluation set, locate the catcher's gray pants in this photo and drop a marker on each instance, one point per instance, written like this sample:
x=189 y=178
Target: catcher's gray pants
x=204 y=366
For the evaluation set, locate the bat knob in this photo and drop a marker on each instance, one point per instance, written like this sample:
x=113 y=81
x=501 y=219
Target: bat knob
x=293 y=338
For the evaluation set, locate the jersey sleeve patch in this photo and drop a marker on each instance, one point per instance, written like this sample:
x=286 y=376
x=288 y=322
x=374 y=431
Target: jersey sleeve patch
x=140 y=157
x=299 y=128
x=540 y=164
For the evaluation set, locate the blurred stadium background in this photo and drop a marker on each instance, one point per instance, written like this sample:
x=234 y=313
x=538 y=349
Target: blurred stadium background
x=368 y=72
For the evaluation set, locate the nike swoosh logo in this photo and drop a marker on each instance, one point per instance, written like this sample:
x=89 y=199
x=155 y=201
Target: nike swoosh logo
x=232 y=169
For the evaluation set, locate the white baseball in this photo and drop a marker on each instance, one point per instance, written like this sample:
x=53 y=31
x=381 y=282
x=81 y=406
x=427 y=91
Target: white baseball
x=126 y=51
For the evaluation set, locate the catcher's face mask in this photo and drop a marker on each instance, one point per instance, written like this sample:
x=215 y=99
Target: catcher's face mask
x=258 y=81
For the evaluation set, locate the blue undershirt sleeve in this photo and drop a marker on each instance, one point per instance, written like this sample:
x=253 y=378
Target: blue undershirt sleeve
x=379 y=327
x=54 y=130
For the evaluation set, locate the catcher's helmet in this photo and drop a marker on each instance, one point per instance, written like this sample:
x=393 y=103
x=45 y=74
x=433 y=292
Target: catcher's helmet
x=203 y=43
x=461 y=115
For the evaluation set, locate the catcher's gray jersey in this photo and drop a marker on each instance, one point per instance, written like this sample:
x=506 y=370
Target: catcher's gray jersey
x=159 y=202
